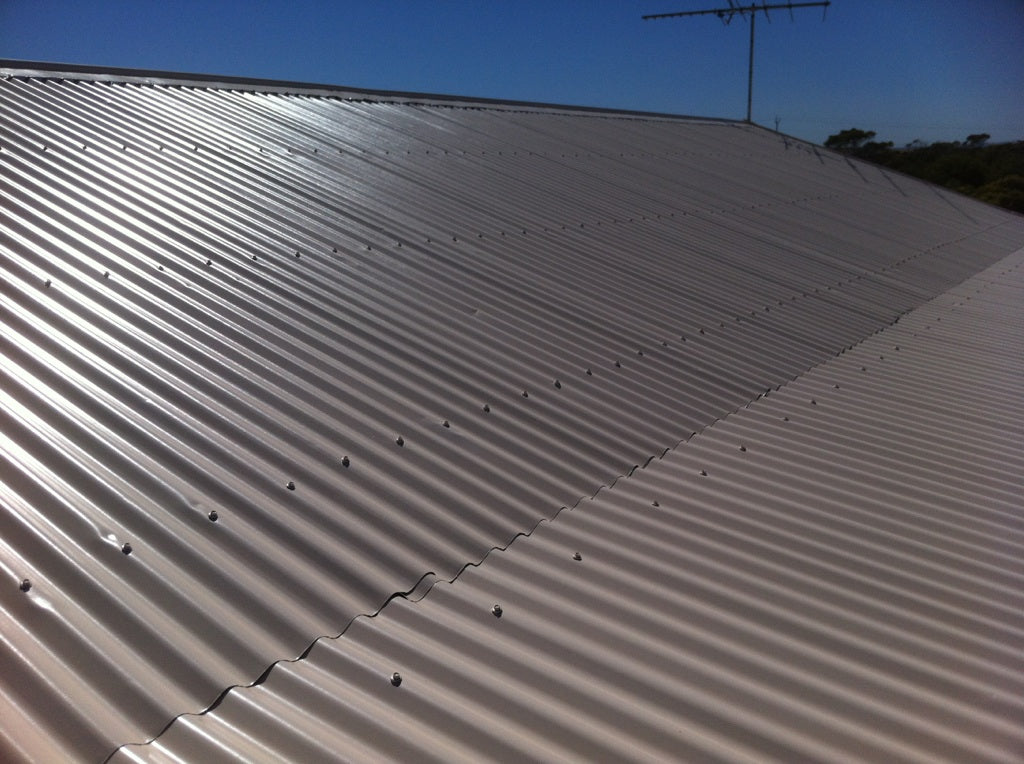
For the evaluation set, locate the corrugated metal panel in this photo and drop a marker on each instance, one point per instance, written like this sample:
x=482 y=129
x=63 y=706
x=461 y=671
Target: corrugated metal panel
x=845 y=583
x=438 y=322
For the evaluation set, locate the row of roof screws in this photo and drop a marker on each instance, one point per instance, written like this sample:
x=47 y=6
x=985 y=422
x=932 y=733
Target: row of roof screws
x=345 y=462
x=25 y=585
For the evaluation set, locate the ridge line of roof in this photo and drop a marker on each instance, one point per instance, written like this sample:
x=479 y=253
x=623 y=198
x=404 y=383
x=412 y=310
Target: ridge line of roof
x=20 y=68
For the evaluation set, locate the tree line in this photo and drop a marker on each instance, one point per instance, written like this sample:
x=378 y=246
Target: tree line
x=993 y=173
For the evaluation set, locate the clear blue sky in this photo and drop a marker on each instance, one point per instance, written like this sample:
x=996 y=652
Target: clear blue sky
x=929 y=69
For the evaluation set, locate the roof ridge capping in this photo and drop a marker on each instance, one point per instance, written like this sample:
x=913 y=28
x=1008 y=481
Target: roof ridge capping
x=41 y=69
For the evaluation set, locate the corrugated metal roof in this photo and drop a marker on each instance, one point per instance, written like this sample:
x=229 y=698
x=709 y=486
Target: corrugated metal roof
x=375 y=340
x=832 y=573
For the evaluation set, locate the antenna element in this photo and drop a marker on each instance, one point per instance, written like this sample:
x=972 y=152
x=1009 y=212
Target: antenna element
x=736 y=9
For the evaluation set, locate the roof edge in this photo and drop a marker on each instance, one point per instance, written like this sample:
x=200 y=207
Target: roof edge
x=42 y=69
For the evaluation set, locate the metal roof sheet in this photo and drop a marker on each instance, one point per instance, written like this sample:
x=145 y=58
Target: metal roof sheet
x=272 y=358
x=832 y=573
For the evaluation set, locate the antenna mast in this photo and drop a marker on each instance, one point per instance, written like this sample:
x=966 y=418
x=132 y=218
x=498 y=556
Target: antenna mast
x=735 y=9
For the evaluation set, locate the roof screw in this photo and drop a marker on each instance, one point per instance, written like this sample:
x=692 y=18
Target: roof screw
x=25 y=585
x=704 y=473
x=618 y=365
x=895 y=347
x=126 y=548
x=106 y=274
x=497 y=611
x=702 y=331
x=743 y=448
x=814 y=402
x=835 y=387
x=863 y=368
x=590 y=373
x=400 y=440
x=664 y=344
x=209 y=262
x=290 y=486
x=639 y=352
x=577 y=556
x=785 y=419
x=298 y=254
x=254 y=257
x=213 y=516
x=487 y=409
x=655 y=503
x=48 y=282
x=526 y=393
x=558 y=385
x=446 y=423
x=345 y=461
x=396 y=679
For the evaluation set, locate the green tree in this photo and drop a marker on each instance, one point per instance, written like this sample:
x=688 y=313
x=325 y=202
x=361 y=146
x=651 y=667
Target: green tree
x=849 y=140
x=876 y=151
x=1007 y=192
x=991 y=173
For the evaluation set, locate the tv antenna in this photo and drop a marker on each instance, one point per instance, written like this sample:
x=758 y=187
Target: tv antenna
x=736 y=9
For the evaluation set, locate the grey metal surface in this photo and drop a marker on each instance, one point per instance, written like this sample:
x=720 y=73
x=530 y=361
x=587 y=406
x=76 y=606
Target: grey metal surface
x=844 y=585
x=121 y=75
x=439 y=323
